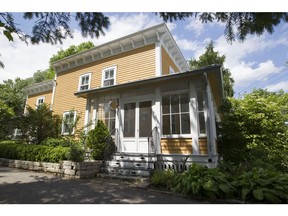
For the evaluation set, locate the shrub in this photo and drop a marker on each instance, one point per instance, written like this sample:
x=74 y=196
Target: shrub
x=40 y=153
x=163 y=179
x=263 y=185
x=203 y=182
x=100 y=141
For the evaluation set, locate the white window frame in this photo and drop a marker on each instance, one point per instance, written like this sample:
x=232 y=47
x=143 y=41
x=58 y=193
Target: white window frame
x=103 y=75
x=80 y=81
x=204 y=111
x=40 y=98
x=175 y=135
x=62 y=128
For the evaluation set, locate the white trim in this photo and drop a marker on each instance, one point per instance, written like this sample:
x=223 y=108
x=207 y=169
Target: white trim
x=80 y=81
x=94 y=114
x=53 y=91
x=158 y=59
x=62 y=127
x=194 y=119
x=25 y=108
x=103 y=75
x=87 y=113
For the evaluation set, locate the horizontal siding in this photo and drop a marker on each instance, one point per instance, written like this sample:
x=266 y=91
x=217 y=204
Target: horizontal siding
x=203 y=148
x=176 y=146
x=131 y=66
x=167 y=63
x=32 y=99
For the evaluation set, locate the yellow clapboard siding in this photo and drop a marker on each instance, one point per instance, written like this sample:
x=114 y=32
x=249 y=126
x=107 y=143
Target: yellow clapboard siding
x=32 y=99
x=176 y=146
x=167 y=63
x=131 y=66
x=203 y=149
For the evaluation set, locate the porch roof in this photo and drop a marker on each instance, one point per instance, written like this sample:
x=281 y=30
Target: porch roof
x=213 y=70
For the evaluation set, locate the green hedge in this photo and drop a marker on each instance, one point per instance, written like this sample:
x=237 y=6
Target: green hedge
x=29 y=152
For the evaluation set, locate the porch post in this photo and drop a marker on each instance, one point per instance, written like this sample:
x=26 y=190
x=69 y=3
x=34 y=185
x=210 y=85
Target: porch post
x=193 y=118
x=87 y=113
x=157 y=118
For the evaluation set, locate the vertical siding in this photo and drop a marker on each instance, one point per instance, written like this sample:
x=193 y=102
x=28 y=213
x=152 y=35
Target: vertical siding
x=131 y=66
x=32 y=99
x=176 y=146
x=167 y=63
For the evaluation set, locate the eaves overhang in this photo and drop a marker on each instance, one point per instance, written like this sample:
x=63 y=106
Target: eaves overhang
x=159 y=33
x=39 y=87
x=151 y=81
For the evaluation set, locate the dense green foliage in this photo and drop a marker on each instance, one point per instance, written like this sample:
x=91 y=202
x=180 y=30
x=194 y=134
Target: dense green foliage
x=100 y=141
x=253 y=129
x=162 y=179
x=203 y=182
x=41 y=153
x=256 y=186
x=262 y=185
x=211 y=57
x=31 y=152
x=6 y=113
x=39 y=124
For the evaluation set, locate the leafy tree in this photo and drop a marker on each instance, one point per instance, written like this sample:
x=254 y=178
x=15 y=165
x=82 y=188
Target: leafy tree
x=6 y=113
x=253 y=129
x=51 y=27
x=211 y=57
x=39 y=124
x=238 y=24
x=12 y=95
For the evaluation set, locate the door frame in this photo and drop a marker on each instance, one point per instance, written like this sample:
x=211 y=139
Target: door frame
x=136 y=140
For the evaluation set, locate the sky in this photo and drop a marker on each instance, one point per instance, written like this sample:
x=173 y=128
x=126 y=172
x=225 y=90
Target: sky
x=258 y=62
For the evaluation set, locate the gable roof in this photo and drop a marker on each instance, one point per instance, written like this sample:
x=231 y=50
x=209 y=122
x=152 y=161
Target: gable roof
x=159 y=33
x=39 y=87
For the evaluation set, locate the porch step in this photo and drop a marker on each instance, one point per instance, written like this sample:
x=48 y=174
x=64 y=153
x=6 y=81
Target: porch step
x=129 y=164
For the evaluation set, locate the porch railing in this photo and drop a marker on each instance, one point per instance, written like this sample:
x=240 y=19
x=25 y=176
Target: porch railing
x=153 y=139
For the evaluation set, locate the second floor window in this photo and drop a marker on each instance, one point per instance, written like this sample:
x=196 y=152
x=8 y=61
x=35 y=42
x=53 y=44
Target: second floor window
x=84 y=82
x=109 y=76
x=40 y=101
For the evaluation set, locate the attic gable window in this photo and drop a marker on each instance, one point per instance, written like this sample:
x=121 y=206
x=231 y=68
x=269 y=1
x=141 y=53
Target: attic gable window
x=84 y=82
x=109 y=76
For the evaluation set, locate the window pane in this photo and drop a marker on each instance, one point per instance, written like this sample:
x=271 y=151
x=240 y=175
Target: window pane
x=112 y=126
x=184 y=100
x=175 y=103
x=111 y=74
x=185 y=123
x=106 y=74
x=112 y=113
x=175 y=124
x=202 y=123
x=129 y=120
x=166 y=104
x=109 y=82
x=166 y=124
x=84 y=87
x=145 y=118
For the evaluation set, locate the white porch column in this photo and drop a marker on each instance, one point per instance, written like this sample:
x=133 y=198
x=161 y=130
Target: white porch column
x=87 y=113
x=156 y=112
x=94 y=113
x=194 y=118
x=158 y=59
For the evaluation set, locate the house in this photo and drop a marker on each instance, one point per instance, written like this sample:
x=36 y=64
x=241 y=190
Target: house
x=140 y=85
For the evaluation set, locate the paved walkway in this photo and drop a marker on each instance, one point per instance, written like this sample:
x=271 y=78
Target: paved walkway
x=28 y=187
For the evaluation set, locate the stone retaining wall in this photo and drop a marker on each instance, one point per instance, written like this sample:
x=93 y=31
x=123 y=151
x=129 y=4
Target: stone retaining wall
x=87 y=169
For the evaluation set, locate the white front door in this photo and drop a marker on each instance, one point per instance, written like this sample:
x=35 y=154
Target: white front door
x=137 y=124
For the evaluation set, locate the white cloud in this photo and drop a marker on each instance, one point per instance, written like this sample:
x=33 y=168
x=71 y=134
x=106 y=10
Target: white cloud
x=23 y=60
x=196 y=26
x=278 y=86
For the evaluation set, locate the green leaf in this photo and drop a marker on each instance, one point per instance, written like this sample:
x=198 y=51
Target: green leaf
x=271 y=198
x=244 y=193
x=8 y=35
x=258 y=194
